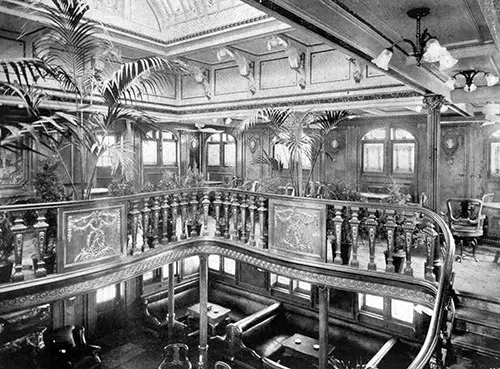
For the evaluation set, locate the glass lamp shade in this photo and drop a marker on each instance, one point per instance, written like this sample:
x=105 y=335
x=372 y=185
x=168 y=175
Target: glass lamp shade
x=382 y=61
x=450 y=83
x=470 y=88
x=432 y=51
x=446 y=61
x=491 y=79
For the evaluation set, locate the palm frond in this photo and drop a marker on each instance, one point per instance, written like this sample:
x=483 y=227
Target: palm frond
x=26 y=71
x=275 y=164
x=329 y=120
x=146 y=75
x=274 y=117
x=140 y=121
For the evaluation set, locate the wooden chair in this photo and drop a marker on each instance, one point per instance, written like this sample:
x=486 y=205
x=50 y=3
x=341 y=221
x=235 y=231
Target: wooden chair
x=466 y=222
x=175 y=357
x=221 y=365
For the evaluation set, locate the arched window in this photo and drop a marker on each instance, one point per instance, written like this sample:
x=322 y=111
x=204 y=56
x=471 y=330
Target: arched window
x=159 y=149
x=388 y=151
x=221 y=150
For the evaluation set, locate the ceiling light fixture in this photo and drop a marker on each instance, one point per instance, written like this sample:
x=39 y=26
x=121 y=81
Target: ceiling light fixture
x=469 y=76
x=426 y=48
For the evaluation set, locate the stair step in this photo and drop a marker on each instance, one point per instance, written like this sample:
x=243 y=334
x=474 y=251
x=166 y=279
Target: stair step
x=486 y=303
x=478 y=343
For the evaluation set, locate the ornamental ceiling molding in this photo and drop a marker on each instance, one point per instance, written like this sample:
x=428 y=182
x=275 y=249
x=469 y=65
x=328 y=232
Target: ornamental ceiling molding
x=267 y=261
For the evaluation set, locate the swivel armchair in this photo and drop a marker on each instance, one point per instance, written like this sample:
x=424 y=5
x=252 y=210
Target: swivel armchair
x=466 y=222
x=175 y=357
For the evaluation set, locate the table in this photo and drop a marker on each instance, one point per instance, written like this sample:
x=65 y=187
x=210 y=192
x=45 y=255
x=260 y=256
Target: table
x=305 y=347
x=215 y=314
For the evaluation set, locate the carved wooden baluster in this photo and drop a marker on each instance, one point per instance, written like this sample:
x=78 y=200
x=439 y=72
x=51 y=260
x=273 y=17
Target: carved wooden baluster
x=227 y=203
x=354 y=222
x=262 y=221
x=156 y=220
x=165 y=210
x=430 y=244
x=135 y=213
x=206 y=204
x=146 y=220
x=18 y=229
x=371 y=223
x=194 y=214
x=175 y=213
x=408 y=228
x=41 y=231
x=234 y=209
x=184 y=209
x=217 y=204
x=243 y=217
x=390 y=226
x=252 y=208
x=337 y=221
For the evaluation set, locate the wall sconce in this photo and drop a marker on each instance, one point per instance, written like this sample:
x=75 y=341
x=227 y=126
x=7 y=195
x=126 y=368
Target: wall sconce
x=426 y=47
x=469 y=75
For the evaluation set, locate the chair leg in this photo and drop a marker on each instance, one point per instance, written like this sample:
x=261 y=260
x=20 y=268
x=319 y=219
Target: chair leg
x=474 y=244
x=460 y=242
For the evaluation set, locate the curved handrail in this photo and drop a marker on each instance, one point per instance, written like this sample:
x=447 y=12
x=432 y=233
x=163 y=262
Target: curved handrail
x=432 y=336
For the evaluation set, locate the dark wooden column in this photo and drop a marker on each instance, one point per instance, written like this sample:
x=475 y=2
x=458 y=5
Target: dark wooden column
x=203 y=347
x=432 y=104
x=323 y=302
x=171 y=301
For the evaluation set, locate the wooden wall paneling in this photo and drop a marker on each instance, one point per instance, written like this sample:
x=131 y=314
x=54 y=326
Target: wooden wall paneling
x=91 y=314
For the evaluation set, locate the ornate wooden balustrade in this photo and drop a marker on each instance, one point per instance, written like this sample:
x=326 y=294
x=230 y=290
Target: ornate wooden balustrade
x=325 y=242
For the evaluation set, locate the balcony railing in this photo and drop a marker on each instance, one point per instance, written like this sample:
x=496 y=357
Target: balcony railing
x=322 y=236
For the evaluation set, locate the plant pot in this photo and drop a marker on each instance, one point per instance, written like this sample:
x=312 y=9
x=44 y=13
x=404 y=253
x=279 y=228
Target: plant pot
x=5 y=271
x=397 y=260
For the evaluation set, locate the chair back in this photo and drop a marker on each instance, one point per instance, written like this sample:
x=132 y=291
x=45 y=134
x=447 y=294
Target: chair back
x=175 y=357
x=465 y=216
x=221 y=365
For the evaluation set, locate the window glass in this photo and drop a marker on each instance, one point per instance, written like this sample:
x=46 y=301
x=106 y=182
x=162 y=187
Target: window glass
x=229 y=266
x=169 y=154
x=150 y=152
x=401 y=134
x=495 y=158
x=230 y=155
x=214 y=262
x=375 y=134
x=281 y=154
x=107 y=293
x=373 y=157
x=376 y=302
x=302 y=286
x=403 y=155
x=282 y=280
x=213 y=155
x=106 y=160
x=191 y=265
x=402 y=310
x=147 y=276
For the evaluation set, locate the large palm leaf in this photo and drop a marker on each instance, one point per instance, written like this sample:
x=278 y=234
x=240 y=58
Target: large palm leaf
x=25 y=71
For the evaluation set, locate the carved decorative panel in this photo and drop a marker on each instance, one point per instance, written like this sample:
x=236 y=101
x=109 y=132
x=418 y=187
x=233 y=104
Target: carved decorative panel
x=297 y=230
x=90 y=236
x=276 y=73
x=229 y=80
x=322 y=70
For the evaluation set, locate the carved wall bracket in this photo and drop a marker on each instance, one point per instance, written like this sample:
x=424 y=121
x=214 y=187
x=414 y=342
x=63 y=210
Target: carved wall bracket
x=246 y=67
x=202 y=76
x=296 y=58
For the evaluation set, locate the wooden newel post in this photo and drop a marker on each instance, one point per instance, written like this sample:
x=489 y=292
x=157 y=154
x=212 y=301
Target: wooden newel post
x=354 y=222
x=390 y=225
x=41 y=231
x=175 y=212
x=262 y=221
x=408 y=228
x=165 y=209
x=227 y=202
x=156 y=221
x=18 y=229
x=371 y=222
x=194 y=214
x=206 y=204
x=337 y=221
x=184 y=209
x=430 y=244
x=252 y=208
x=243 y=218
x=234 y=209
x=217 y=204
x=146 y=213
x=135 y=213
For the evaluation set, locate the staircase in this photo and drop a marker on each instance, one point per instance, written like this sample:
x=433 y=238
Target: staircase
x=477 y=326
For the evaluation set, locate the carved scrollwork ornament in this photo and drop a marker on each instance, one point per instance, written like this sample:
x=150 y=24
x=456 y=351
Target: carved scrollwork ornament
x=253 y=142
x=432 y=102
x=450 y=142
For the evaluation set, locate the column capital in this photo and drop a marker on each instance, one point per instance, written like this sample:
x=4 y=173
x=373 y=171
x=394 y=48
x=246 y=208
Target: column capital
x=432 y=102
